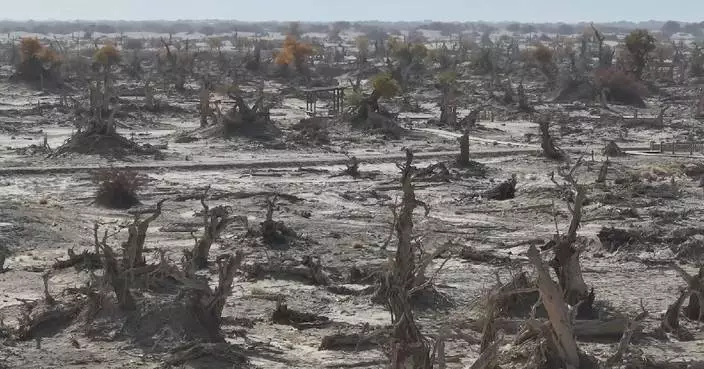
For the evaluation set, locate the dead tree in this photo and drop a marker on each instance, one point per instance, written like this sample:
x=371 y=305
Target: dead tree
x=4 y=253
x=563 y=349
x=550 y=151
x=208 y=304
x=466 y=124
x=694 y=291
x=566 y=260
x=215 y=221
x=133 y=249
x=523 y=99
x=149 y=100
x=180 y=63
x=603 y=171
x=463 y=159
x=113 y=273
x=409 y=349
x=204 y=106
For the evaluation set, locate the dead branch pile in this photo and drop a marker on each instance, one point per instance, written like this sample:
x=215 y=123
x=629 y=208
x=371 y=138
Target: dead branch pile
x=613 y=150
x=371 y=116
x=614 y=239
x=244 y=121
x=312 y=131
x=503 y=191
x=309 y=270
x=86 y=260
x=301 y=320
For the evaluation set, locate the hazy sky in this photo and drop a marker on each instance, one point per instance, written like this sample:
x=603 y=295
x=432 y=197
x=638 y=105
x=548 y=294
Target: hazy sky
x=325 y=10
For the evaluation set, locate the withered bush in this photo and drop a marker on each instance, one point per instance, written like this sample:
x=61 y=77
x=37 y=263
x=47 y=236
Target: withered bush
x=117 y=189
x=38 y=63
x=620 y=87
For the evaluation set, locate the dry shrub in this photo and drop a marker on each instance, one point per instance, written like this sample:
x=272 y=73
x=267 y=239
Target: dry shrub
x=38 y=63
x=620 y=87
x=312 y=131
x=117 y=189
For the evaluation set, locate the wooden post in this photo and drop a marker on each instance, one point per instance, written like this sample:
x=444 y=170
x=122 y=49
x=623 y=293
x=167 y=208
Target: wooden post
x=662 y=147
x=673 y=147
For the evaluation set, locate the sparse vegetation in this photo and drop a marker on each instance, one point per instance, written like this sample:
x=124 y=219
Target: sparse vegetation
x=195 y=195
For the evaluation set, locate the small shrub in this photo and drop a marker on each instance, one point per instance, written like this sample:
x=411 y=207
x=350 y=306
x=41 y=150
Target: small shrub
x=117 y=189
x=385 y=85
x=107 y=55
x=620 y=87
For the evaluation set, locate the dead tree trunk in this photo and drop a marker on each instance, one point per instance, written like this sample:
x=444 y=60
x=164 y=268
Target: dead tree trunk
x=463 y=159
x=523 y=99
x=699 y=109
x=215 y=221
x=566 y=260
x=204 y=106
x=469 y=122
x=208 y=304
x=550 y=151
x=133 y=249
x=113 y=272
x=562 y=340
x=409 y=348
x=149 y=96
x=603 y=171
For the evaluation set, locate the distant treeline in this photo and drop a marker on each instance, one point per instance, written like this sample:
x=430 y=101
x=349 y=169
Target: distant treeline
x=227 y=27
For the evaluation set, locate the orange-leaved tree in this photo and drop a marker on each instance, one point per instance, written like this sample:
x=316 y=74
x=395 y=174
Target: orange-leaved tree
x=38 y=63
x=294 y=52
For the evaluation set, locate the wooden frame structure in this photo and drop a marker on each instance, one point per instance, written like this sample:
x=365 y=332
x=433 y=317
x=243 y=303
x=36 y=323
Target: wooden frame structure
x=312 y=94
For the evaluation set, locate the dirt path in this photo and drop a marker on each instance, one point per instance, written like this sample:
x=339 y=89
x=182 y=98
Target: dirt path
x=375 y=158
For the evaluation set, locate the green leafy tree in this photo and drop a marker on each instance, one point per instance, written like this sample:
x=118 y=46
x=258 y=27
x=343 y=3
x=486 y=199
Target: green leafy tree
x=639 y=44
